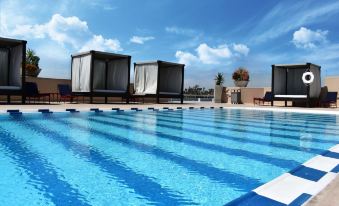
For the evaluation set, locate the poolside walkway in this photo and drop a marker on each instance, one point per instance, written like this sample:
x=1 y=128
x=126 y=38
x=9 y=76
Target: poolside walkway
x=328 y=197
x=86 y=107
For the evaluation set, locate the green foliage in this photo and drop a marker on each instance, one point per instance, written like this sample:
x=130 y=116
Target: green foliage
x=32 y=58
x=219 y=79
x=241 y=74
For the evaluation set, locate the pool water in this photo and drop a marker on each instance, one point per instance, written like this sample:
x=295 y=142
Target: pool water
x=180 y=157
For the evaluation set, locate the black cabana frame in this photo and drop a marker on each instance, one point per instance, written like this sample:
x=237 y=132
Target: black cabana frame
x=105 y=56
x=164 y=64
x=312 y=91
x=8 y=44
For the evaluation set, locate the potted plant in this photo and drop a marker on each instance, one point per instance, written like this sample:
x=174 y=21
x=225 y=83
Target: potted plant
x=220 y=91
x=32 y=64
x=241 y=77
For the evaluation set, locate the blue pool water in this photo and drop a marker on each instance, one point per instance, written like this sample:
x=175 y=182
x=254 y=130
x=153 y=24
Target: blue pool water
x=183 y=157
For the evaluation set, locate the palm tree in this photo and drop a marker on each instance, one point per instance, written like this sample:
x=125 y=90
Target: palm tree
x=219 y=79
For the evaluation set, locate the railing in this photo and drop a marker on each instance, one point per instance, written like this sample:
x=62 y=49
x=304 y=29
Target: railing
x=198 y=98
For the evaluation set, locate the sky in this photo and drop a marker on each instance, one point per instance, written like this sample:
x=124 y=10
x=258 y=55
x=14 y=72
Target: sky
x=207 y=36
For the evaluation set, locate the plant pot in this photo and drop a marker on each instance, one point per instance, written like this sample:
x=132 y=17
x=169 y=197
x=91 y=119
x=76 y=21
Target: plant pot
x=33 y=73
x=241 y=83
x=220 y=95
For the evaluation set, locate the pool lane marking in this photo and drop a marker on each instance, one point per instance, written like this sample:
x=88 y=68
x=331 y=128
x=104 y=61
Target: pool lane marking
x=213 y=173
x=133 y=180
x=282 y=163
x=53 y=188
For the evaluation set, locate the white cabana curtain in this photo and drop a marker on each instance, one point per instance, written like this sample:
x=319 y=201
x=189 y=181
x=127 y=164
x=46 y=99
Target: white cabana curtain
x=99 y=74
x=145 y=78
x=76 y=74
x=81 y=73
x=3 y=67
x=170 y=80
x=85 y=73
x=117 y=75
x=15 y=66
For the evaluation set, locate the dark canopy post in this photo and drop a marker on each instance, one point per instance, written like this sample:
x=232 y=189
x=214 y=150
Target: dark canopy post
x=101 y=74
x=159 y=79
x=288 y=85
x=12 y=67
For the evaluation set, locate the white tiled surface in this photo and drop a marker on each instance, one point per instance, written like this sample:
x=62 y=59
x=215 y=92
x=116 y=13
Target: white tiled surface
x=322 y=163
x=335 y=149
x=321 y=184
x=285 y=188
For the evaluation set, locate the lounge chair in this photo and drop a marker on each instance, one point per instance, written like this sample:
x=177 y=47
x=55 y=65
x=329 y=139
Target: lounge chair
x=65 y=93
x=330 y=100
x=267 y=98
x=31 y=92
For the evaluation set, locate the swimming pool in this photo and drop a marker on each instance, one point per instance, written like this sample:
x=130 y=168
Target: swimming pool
x=179 y=157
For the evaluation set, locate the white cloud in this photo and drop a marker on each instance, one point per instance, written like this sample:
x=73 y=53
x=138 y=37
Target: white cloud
x=67 y=30
x=212 y=55
x=274 y=23
x=209 y=55
x=181 y=31
x=99 y=43
x=60 y=29
x=306 y=38
x=241 y=48
x=186 y=58
x=141 y=39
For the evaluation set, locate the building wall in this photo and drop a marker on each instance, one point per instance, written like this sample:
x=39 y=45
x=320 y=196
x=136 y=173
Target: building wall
x=248 y=93
x=48 y=85
x=332 y=82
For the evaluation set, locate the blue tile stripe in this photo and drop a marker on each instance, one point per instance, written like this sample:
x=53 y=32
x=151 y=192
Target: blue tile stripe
x=300 y=200
x=331 y=154
x=253 y=199
x=45 y=111
x=308 y=173
x=71 y=110
x=336 y=169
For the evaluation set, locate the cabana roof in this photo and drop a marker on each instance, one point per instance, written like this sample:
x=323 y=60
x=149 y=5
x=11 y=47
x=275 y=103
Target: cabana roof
x=295 y=66
x=6 y=42
x=163 y=63
x=101 y=55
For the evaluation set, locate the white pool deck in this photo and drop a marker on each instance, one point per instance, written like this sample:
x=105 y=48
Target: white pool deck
x=325 y=192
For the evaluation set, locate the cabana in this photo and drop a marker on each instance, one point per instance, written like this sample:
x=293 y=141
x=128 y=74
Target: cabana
x=298 y=82
x=12 y=67
x=159 y=79
x=101 y=74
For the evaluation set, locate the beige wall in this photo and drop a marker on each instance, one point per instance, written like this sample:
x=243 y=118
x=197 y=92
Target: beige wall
x=248 y=93
x=45 y=85
x=48 y=85
x=332 y=83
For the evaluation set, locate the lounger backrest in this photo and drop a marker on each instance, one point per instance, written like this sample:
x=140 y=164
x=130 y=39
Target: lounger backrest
x=268 y=96
x=332 y=96
x=64 y=89
x=31 y=89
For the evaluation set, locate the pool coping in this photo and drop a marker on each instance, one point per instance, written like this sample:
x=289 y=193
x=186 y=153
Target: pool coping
x=308 y=179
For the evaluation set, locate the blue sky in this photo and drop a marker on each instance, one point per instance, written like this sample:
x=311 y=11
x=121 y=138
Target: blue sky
x=208 y=36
